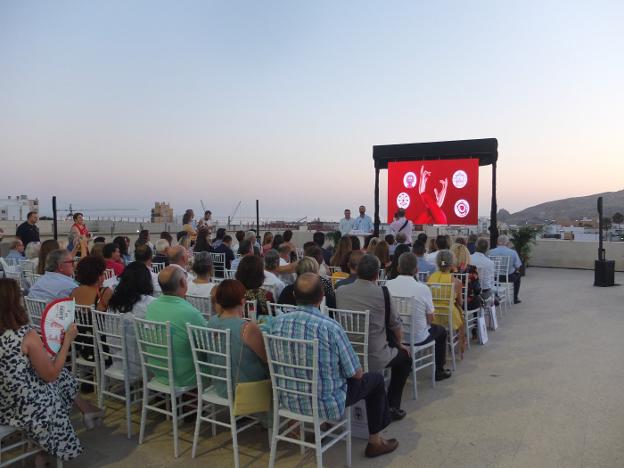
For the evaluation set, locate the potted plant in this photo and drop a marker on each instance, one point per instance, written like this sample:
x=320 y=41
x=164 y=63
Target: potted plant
x=523 y=240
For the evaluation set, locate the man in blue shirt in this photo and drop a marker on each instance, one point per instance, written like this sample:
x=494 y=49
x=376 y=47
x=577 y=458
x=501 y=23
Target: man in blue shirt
x=341 y=379
x=363 y=222
x=513 y=273
x=57 y=281
x=423 y=265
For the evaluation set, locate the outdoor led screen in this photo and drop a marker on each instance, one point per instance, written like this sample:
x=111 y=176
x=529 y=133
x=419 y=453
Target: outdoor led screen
x=435 y=192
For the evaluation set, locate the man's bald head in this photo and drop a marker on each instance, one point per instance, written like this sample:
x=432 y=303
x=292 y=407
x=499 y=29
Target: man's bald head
x=309 y=289
x=178 y=255
x=172 y=281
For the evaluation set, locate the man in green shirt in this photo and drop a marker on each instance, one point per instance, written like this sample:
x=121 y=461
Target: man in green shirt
x=172 y=307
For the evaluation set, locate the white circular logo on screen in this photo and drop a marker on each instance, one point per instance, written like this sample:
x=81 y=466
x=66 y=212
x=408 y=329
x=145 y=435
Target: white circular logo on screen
x=462 y=208
x=409 y=180
x=403 y=200
x=460 y=179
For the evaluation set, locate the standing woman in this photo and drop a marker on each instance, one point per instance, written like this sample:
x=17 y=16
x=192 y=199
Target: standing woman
x=78 y=233
x=267 y=242
x=37 y=392
x=187 y=225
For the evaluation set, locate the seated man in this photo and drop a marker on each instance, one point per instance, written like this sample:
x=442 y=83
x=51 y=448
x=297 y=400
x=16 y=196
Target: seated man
x=423 y=265
x=178 y=255
x=364 y=294
x=57 y=281
x=224 y=247
x=245 y=249
x=341 y=380
x=271 y=265
x=354 y=260
x=484 y=265
x=162 y=252
x=284 y=252
x=16 y=251
x=172 y=307
x=405 y=285
x=513 y=272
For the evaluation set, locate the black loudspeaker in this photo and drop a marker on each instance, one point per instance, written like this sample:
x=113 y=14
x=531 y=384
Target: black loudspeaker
x=604 y=273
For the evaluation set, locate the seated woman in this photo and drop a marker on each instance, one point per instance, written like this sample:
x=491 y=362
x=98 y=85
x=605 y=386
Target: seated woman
x=446 y=265
x=249 y=360
x=393 y=270
x=382 y=252
x=90 y=276
x=341 y=254
x=37 y=392
x=47 y=246
x=123 y=243
x=112 y=257
x=203 y=271
x=203 y=242
x=131 y=298
x=250 y=272
x=461 y=253
x=308 y=265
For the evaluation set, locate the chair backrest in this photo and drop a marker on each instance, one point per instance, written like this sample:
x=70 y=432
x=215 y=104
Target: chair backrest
x=250 y=312
x=230 y=274
x=109 y=273
x=270 y=288
x=381 y=282
x=218 y=262
x=422 y=276
x=31 y=277
x=382 y=274
x=35 y=310
x=211 y=356
x=404 y=306
x=443 y=295
x=203 y=304
x=110 y=338
x=275 y=309
x=501 y=267
x=356 y=324
x=155 y=348
x=27 y=265
x=157 y=267
x=83 y=316
x=463 y=277
x=335 y=269
x=293 y=365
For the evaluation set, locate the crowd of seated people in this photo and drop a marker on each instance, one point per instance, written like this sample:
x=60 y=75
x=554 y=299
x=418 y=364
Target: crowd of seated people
x=267 y=272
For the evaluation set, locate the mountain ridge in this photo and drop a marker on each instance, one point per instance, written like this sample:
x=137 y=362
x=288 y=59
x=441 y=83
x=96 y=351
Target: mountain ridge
x=567 y=209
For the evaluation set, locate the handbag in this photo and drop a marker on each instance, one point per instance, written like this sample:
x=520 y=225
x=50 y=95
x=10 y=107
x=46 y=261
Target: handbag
x=251 y=397
x=390 y=336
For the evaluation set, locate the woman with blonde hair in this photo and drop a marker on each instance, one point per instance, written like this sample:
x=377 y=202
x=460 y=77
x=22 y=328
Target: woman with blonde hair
x=308 y=265
x=382 y=252
x=461 y=253
x=446 y=264
x=372 y=243
x=267 y=242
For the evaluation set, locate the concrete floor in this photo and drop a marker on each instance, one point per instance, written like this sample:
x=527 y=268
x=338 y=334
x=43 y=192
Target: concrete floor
x=546 y=391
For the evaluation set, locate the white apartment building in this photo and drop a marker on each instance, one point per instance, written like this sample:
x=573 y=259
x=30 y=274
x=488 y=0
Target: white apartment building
x=16 y=208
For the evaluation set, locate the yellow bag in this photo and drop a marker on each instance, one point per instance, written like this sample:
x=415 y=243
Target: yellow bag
x=253 y=397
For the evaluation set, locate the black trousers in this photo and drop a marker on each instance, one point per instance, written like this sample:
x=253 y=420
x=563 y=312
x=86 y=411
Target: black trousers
x=370 y=388
x=515 y=279
x=401 y=367
x=437 y=333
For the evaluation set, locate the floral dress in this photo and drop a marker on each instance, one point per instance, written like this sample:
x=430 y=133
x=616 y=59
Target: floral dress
x=30 y=404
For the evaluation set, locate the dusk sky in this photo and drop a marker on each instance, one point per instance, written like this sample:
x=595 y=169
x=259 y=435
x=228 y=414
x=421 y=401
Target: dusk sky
x=120 y=104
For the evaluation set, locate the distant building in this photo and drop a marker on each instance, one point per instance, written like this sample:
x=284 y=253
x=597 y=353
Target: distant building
x=16 y=208
x=162 y=213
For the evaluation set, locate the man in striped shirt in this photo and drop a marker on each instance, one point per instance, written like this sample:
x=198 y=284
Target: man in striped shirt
x=341 y=380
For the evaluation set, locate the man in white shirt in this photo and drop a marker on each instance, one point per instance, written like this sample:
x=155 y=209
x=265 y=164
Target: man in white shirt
x=484 y=265
x=402 y=225
x=346 y=223
x=363 y=223
x=284 y=259
x=271 y=264
x=405 y=285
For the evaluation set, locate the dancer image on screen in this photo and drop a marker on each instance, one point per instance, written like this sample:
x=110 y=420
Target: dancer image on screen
x=433 y=213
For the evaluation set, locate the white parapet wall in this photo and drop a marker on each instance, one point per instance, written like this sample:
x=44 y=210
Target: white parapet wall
x=573 y=254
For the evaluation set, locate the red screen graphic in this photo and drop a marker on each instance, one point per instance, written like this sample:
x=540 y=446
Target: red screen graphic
x=435 y=192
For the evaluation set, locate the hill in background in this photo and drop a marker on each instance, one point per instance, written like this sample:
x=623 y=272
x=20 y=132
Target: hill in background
x=568 y=209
